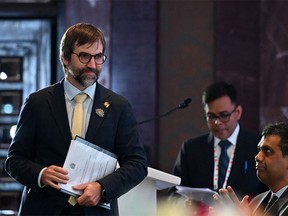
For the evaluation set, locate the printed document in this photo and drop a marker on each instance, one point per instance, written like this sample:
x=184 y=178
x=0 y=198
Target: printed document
x=85 y=163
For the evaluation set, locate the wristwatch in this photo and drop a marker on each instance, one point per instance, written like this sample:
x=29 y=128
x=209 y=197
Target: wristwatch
x=103 y=194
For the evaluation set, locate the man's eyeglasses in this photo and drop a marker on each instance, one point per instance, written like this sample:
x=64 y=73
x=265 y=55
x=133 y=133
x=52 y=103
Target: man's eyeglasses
x=85 y=58
x=223 y=117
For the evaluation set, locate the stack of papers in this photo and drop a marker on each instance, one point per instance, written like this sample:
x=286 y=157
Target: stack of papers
x=85 y=163
x=204 y=195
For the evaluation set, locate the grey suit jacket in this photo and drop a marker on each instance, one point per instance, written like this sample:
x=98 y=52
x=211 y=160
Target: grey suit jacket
x=279 y=208
x=43 y=137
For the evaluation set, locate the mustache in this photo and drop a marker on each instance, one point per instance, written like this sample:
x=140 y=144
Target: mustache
x=88 y=69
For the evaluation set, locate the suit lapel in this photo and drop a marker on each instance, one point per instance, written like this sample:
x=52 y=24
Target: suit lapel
x=59 y=112
x=209 y=160
x=259 y=204
x=100 y=109
x=282 y=202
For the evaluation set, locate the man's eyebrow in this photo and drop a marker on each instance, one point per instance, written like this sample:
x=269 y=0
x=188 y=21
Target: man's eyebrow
x=265 y=147
x=262 y=146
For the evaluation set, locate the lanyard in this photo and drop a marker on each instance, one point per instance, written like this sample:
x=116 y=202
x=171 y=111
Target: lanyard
x=216 y=169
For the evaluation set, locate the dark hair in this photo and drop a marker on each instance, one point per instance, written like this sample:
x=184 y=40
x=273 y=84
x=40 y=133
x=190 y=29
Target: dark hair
x=77 y=35
x=217 y=90
x=280 y=129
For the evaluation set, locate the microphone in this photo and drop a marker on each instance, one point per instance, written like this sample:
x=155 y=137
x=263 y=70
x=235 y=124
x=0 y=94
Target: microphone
x=185 y=103
x=182 y=105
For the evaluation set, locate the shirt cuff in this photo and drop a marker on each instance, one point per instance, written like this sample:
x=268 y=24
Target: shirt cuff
x=39 y=178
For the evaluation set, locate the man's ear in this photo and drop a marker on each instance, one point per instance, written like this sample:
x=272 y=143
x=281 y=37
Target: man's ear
x=64 y=62
x=286 y=159
x=239 y=111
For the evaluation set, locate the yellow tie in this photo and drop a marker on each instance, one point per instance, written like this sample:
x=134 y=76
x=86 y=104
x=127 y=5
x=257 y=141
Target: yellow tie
x=77 y=125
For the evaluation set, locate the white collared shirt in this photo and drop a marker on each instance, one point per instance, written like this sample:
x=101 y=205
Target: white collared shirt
x=230 y=151
x=232 y=139
x=280 y=192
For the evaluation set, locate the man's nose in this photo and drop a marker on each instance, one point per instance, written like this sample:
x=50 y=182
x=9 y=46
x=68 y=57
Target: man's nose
x=258 y=157
x=92 y=63
x=217 y=121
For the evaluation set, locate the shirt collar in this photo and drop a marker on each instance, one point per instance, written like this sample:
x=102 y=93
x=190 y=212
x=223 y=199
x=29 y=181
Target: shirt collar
x=232 y=139
x=280 y=192
x=71 y=91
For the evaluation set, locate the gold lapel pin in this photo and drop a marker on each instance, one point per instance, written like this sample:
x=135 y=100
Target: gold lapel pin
x=106 y=104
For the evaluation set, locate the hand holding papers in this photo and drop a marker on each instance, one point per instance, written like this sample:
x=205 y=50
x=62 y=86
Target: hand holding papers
x=85 y=163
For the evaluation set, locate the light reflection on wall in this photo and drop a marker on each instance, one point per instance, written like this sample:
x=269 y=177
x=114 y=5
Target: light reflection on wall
x=10 y=103
x=7 y=133
x=3 y=76
x=12 y=131
x=7 y=109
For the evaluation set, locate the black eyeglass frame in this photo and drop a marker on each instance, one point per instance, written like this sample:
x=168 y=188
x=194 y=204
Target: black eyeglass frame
x=223 y=117
x=96 y=57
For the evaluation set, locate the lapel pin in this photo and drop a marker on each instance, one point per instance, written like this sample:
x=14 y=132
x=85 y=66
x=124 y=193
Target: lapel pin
x=100 y=112
x=106 y=104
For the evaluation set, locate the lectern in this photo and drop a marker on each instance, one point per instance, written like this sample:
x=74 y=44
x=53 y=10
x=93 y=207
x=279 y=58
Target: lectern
x=142 y=199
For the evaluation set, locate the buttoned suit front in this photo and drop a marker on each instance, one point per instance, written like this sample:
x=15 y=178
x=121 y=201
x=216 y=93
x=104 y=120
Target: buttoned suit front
x=195 y=164
x=43 y=137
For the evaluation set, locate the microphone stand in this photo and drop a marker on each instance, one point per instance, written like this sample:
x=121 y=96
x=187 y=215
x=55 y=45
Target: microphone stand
x=180 y=106
x=160 y=116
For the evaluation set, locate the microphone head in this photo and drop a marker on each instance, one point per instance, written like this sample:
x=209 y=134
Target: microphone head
x=185 y=103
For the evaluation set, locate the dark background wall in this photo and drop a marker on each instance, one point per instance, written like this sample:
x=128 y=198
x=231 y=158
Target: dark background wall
x=162 y=52
x=185 y=68
x=237 y=53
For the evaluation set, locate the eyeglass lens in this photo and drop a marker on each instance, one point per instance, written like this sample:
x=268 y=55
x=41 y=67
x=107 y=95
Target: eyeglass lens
x=86 y=58
x=223 y=117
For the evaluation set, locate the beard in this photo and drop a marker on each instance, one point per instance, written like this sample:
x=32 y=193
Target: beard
x=86 y=80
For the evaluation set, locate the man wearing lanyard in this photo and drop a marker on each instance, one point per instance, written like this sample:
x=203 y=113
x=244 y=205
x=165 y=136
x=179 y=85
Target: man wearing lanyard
x=202 y=162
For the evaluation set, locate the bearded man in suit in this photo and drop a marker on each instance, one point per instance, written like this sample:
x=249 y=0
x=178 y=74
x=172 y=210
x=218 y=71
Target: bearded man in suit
x=38 y=150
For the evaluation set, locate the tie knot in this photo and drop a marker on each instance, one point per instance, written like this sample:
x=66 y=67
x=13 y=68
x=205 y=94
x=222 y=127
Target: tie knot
x=270 y=203
x=273 y=198
x=80 y=98
x=224 y=144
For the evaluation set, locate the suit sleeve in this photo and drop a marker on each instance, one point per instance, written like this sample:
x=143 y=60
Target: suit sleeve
x=180 y=167
x=19 y=163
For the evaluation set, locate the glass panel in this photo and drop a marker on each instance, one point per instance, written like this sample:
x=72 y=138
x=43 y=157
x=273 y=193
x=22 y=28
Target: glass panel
x=10 y=102
x=10 y=69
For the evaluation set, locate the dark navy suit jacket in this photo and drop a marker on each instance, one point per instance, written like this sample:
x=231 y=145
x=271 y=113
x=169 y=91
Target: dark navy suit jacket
x=195 y=164
x=43 y=137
